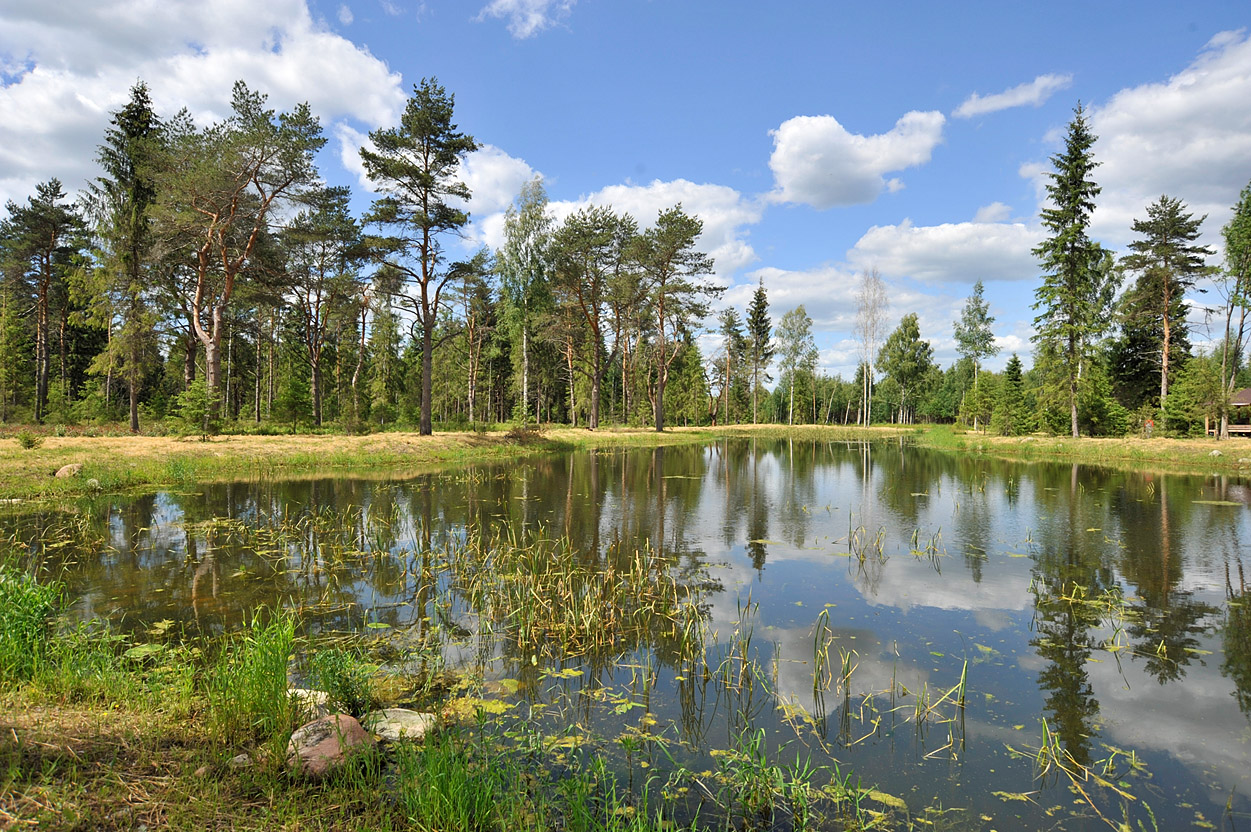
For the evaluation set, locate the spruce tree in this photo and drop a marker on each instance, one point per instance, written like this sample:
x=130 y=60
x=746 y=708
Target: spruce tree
x=1071 y=301
x=1011 y=416
x=121 y=201
x=760 y=344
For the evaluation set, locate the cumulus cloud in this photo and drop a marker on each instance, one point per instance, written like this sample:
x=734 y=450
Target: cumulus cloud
x=526 y=18
x=1032 y=94
x=817 y=162
x=77 y=60
x=962 y=252
x=994 y=212
x=725 y=213
x=1184 y=137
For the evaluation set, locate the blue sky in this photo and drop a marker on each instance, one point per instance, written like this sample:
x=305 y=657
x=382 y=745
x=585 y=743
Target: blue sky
x=815 y=140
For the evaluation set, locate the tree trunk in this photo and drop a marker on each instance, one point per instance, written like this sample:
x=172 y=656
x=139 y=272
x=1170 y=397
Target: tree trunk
x=188 y=363
x=426 y=425
x=314 y=373
x=133 y=388
x=525 y=372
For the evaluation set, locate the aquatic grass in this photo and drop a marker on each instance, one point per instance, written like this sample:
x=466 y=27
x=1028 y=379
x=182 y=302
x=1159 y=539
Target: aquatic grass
x=26 y=607
x=345 y=676
x=247 y=687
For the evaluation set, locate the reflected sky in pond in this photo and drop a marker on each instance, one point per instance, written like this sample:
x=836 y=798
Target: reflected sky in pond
x=1108 y=603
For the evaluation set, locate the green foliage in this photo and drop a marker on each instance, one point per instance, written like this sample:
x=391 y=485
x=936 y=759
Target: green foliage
x=1076 y=291
x=906 y=359
x=760 y=344
x=247 y=685
x=1196 y=399
x=1012 y=416
x=28 y=440
x=345 y=676
x=196 y=410
x=1168 y=263
x=25 y=609
x=799 y=352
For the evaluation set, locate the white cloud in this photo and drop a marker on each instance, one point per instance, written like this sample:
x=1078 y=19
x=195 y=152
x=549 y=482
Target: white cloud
x=526 y=18
x=963 y=252
x=994 y=212
x=80 y=58
x=816 y=161
x=1032 y=94
x=345 y=15
x=723 y=211
x=1184 y=137
x=494 y=179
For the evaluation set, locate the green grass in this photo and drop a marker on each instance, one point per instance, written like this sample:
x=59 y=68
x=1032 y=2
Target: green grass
x=25 y=609
x=248 y=693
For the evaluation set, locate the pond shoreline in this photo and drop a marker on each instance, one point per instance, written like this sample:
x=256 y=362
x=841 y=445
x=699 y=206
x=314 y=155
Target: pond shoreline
x=124 y=463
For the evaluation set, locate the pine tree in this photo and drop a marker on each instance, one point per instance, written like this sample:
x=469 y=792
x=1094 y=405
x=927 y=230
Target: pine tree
x=1071 y=301
x=760 y=344
x=415 y=166
x=974 y=339
x=1168 y=263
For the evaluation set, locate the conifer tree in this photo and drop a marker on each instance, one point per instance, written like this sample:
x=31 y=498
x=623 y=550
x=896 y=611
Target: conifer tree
x=1168 y=263
x=1071 y=302
x=760 y=340
x=1010 y=417
x=415 y=167
x=121 y=203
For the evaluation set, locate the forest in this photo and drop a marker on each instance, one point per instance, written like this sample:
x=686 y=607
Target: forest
x=209 y=281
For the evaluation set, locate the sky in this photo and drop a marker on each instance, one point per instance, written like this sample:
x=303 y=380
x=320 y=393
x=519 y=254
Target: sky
x=814 y=140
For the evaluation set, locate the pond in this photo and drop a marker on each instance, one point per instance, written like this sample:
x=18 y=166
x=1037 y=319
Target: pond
x=996 y=645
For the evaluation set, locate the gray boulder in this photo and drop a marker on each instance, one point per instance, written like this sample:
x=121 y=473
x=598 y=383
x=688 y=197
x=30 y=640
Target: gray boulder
x=395 y=724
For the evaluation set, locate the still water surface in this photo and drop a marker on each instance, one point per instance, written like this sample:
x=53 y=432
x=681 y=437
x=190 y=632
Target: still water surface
x=1107 y=608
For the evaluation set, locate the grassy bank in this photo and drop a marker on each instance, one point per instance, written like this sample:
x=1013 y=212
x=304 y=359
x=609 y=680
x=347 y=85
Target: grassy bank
x=1194 y=456
x=115 y=463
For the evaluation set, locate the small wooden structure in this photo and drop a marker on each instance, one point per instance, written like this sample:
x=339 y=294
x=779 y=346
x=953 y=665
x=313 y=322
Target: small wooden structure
x=1240 y=399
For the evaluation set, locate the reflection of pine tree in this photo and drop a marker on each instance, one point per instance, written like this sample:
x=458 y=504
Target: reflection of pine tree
x=1164 y=629
x=1236 y=632
x=1167 y=620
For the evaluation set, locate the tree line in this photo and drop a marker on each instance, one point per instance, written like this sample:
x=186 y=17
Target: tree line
x=208 y=279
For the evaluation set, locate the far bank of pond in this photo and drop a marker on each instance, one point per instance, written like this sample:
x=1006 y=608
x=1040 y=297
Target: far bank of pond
x=116 y=463
x=919 y=636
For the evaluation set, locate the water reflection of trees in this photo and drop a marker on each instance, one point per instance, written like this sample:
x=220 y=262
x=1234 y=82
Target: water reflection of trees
x=1068 y=565
x=1236 y=637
